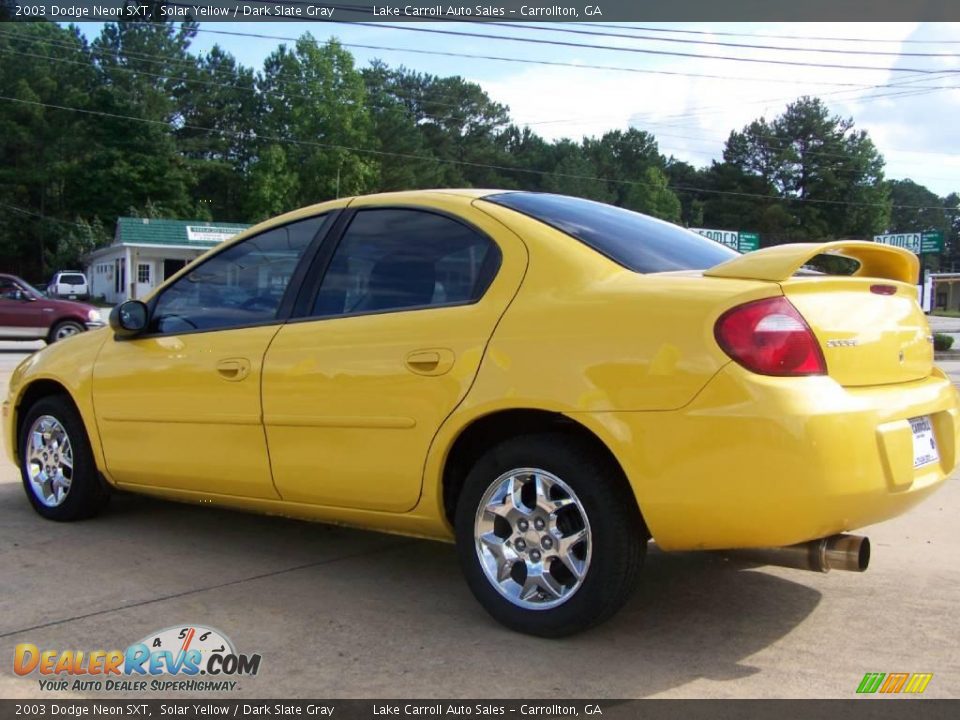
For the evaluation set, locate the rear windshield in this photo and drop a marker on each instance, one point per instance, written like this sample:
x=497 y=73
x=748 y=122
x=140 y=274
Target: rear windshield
x=638 y=242
x=72 y=279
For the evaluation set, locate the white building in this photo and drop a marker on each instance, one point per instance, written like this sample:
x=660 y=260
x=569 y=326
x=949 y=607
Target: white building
x=153 y=250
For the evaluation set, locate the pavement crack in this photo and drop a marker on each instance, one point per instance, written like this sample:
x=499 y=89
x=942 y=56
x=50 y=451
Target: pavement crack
x=195 y=591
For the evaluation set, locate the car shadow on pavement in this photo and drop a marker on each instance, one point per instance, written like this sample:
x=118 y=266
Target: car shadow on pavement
x=348 y=613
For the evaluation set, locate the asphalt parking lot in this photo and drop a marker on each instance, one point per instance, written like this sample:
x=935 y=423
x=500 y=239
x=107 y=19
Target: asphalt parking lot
x=342 y=613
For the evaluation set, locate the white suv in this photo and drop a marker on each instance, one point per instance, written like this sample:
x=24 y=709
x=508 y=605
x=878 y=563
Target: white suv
x=70 y=284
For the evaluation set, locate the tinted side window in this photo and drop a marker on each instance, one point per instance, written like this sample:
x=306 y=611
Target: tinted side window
x=242 y=285
x=638 y=242
x=395 y=259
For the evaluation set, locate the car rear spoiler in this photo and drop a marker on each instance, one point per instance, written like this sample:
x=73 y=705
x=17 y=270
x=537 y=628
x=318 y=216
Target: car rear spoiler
x=779 y=263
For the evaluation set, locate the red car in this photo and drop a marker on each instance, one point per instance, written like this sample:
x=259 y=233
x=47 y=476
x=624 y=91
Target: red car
x=27 y=314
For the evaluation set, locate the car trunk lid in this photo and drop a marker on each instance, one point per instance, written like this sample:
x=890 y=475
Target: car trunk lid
x=869 y=325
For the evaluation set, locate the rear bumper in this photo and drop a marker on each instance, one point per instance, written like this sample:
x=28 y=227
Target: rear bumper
x=758 y=461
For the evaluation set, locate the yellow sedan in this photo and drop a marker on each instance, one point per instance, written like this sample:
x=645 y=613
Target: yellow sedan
x=548 y=381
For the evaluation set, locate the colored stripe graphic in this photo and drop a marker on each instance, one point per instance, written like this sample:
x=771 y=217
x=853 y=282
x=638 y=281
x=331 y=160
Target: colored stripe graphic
x=890 y=683
x=894 y=682
x=918 y=683
x=871 y=682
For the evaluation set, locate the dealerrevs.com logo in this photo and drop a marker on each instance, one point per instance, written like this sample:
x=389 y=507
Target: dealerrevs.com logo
x=179 y=658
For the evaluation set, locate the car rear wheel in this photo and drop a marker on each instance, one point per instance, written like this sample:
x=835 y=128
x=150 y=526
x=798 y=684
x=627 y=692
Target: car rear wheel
x=56 y=462
x=549 y=535
x=65 y=329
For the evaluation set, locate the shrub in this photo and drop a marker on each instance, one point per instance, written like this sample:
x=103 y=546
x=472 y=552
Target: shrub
x=942 y=342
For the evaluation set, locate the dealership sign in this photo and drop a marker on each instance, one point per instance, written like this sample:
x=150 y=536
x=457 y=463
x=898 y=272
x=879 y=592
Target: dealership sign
x=740 y=241
x=209 y=233
x=915 y=242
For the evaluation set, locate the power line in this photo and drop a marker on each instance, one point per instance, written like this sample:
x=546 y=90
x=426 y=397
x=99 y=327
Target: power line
x=190 y=64
x=749 y=46
x=260 y=92
x=766 y=36
x=31 y=213
x=399 y=94
x=644 y=51
x=502 y=58
x=491 y=166
x=255 y=91
x=559 y=63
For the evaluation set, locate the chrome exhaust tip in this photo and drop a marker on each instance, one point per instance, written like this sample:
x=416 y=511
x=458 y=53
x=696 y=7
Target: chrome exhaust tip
x=837 y=552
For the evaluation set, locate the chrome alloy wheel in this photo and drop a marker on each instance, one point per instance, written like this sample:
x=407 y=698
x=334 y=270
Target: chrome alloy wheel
x=49 y=459
x=66 y=330
x=533 y=538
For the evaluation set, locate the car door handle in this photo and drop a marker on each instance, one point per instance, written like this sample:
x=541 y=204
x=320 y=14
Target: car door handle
x=432 y=361
x=234 y=369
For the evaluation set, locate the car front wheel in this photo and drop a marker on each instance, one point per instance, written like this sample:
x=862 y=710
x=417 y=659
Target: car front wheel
x=56 y=463
x=549 y=534
x=63 y=330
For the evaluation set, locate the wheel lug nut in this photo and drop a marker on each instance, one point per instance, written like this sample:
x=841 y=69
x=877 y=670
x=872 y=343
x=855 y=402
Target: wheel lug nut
x=535 y=556
x=538 y=523
x=522 y=525
x=547 y=543
x=520 y=545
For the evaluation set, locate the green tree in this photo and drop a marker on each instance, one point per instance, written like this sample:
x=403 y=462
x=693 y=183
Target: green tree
x=575 y=174
x=132 y=156
x=915 y=208
x=652 y=196
x=828 y=175
x=41 y=147
x=218 y=109
x=71 y=247
x=623 y=157
x=313 y=111
x=682 y=177
x=396 y=134
x=525 y=151
x=460 y=125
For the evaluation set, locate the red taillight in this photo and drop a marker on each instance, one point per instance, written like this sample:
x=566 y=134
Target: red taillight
x=770 y=337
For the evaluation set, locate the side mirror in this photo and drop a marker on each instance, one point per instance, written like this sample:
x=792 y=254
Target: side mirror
x=129 y=318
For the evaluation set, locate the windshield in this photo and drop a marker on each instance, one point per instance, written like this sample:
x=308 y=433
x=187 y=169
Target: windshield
x=638 y=242
x=30 y=288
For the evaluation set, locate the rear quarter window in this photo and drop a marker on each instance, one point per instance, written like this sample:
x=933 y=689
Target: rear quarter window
x=637 y=242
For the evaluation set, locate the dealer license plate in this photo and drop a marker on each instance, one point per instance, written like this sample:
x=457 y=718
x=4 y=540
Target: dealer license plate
x=924 y=443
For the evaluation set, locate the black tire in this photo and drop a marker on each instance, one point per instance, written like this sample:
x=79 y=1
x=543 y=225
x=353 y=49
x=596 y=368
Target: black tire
x=618 y=536
x=60 y=327
x=88 y=493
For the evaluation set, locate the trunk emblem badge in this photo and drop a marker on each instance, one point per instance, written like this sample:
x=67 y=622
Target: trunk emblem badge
x=842 y=343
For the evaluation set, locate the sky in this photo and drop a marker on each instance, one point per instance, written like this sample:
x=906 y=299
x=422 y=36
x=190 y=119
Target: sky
x=916 y=126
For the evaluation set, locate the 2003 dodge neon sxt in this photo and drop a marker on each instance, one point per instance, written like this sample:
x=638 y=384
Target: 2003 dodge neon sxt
x=548 y=380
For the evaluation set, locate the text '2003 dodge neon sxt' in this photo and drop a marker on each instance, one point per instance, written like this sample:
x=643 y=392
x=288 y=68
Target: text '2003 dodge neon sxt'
x=548 y=381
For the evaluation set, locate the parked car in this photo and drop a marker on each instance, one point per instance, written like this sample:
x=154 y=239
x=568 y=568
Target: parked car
x=27 y=314
x=71 y=284
x=547 y=381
